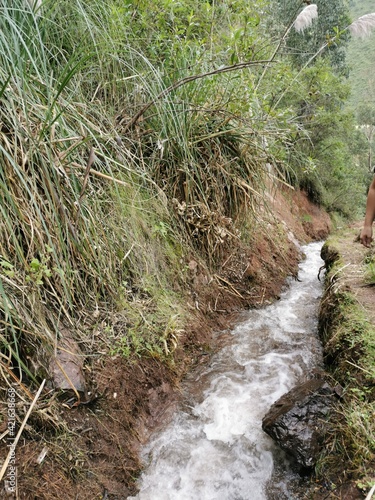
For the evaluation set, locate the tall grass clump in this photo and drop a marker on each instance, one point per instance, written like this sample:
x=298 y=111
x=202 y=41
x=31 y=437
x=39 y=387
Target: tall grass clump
x=73 y=75
x=192 y=126
x=65 y=180
x=210 y=163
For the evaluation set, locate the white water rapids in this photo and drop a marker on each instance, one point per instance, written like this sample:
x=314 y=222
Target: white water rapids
x=214 y=448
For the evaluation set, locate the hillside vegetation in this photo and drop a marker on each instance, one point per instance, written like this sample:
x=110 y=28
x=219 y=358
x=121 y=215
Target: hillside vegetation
x=361 y=57
x=139 y=141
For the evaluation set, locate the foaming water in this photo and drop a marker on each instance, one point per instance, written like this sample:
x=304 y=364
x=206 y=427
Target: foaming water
x=214 y=448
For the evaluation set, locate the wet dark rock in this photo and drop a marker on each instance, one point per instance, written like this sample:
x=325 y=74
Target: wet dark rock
x=296 y=421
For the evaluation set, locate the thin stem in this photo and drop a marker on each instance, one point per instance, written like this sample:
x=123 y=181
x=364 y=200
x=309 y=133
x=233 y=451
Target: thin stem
x=187 y=79
x=303 y=68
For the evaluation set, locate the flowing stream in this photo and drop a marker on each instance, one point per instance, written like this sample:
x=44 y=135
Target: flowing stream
x=214 y=447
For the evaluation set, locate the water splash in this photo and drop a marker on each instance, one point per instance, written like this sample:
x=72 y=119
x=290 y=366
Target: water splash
x=215 y=449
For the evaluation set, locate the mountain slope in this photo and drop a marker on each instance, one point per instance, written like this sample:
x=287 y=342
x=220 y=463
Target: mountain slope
x=361 y=58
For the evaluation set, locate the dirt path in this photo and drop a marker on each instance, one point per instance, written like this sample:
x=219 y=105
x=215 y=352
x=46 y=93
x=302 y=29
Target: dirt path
x=353 y=256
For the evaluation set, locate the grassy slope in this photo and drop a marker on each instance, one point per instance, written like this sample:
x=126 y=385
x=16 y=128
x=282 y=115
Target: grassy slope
x=95 y=251
x=361 y=58
x=347 y=322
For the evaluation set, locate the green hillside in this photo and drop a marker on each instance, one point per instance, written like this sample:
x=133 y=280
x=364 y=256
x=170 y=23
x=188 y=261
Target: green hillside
x=361 y=58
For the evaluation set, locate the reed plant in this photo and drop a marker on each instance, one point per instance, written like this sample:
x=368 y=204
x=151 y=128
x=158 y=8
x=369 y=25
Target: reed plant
x=65 y=180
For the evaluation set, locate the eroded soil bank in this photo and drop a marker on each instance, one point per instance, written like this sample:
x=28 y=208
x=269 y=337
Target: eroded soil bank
x=91 y=450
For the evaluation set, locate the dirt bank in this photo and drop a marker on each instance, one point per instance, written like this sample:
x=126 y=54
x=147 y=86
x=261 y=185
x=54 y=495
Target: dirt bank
x=347 y=330
x=91 y=450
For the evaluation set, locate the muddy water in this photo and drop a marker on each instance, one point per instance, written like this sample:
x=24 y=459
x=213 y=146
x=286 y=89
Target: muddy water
x=215 y=449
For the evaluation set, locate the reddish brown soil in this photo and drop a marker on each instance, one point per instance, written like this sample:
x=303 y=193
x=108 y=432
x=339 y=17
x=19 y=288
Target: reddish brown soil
x=98 y=457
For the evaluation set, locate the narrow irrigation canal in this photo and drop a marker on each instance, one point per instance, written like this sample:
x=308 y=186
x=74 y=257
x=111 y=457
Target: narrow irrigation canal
x=215 y=449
